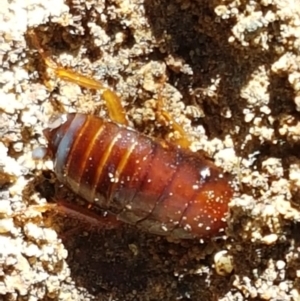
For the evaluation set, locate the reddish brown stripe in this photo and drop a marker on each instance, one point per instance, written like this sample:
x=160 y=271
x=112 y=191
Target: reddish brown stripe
x=99 y=193
x=95 y=131
x=128 y=144
x=74 y=165
x=137 y=167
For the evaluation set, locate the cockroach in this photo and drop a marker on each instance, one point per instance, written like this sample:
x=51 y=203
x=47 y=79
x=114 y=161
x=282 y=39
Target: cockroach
x=156 y=185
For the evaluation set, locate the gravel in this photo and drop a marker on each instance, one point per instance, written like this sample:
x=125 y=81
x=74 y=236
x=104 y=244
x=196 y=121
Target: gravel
x=228 y=71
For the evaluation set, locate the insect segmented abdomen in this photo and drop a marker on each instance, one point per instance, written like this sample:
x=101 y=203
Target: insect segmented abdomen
x=157 y=186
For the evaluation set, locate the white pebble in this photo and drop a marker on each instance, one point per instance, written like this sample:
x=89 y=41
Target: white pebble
x=6 y=225
x=280 y=264
x=223 y=263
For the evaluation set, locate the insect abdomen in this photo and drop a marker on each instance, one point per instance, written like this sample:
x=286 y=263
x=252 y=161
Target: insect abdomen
x=157 y=186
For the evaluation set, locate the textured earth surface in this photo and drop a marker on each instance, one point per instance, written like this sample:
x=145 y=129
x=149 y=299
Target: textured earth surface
x=231 y=78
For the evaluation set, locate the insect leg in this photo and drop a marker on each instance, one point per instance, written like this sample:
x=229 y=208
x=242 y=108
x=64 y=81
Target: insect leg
x=182 y=140
x=84 y=215
x=115 y=109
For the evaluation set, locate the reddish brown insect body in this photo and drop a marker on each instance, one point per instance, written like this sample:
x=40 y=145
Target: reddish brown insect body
x=157 y=186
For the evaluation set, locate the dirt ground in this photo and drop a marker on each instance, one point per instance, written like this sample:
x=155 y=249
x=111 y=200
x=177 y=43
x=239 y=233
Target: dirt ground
x=229 y=73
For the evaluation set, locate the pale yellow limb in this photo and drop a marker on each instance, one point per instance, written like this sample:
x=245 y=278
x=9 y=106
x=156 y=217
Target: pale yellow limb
x=182 y=140
x=115 y=109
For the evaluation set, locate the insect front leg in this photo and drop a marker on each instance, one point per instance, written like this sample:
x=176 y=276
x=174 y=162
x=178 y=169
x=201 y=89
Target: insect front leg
x=115 y=109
